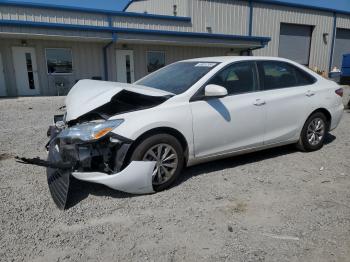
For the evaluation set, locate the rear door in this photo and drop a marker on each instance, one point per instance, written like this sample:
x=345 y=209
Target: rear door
x=288 y=93
x=231 y=123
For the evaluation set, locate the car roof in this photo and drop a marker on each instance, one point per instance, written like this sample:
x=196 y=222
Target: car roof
x=228 y=59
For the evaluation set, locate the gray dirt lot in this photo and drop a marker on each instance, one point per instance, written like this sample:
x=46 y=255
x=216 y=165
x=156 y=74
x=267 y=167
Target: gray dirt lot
x=275 y=205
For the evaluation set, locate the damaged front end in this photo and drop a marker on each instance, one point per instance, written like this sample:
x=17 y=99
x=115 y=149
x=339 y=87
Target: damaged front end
x=83 y=145
x=90 y=152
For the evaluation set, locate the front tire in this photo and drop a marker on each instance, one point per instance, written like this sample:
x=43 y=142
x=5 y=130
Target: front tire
x=313 y=133
x=168 y=153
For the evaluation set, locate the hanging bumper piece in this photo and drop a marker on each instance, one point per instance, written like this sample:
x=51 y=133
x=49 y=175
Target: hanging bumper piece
x=100 y=162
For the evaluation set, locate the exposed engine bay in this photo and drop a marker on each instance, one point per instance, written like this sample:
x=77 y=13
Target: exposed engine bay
x=123 y=102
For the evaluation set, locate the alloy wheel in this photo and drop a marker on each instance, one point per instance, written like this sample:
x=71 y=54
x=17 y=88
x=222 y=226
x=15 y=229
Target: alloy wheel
x=166 y=160
x=315 y=131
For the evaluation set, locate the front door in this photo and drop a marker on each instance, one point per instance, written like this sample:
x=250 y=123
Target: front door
x=232 y=123
x=26 y=71
x=2 y=79
x=125 y=66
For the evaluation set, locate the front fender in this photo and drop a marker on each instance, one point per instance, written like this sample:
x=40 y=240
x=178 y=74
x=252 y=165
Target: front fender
x=177 y=117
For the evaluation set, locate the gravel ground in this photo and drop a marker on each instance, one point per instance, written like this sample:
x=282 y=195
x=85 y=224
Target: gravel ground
x=274 y=205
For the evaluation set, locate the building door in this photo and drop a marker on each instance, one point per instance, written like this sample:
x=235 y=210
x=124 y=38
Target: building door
x=26 y=72
x=125 y=66
x=295 y=42
x=341 y=47
x=2 y=79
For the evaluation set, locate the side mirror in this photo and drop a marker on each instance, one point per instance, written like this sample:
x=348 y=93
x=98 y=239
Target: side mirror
x=215 y=91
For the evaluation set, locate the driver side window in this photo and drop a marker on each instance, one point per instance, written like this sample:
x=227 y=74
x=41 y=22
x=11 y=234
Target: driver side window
x=237 y=78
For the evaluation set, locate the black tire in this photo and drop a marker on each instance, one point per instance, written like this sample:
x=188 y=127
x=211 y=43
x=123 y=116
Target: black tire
x=153 y=141
x=304 y=143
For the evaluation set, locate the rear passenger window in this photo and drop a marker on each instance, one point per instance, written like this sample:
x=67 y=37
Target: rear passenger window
x=237 y=78
x=274 y=75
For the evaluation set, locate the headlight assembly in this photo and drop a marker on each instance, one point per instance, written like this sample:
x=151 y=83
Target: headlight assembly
x=89 y=131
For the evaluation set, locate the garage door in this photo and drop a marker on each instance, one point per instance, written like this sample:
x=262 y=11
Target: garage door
x=341 y=47
x=295 y=41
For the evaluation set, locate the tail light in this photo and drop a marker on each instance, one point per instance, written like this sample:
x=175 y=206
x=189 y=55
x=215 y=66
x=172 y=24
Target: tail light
x=339 y=92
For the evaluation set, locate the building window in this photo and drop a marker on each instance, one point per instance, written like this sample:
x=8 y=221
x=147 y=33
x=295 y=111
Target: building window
x=59 y=61
x=155 y=60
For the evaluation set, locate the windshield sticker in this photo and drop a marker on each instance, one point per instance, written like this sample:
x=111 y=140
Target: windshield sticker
x=205 y=64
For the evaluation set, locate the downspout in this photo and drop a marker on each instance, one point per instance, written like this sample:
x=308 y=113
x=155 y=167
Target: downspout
x=104 y=50
x=105 y=57
x=250 y=23
x=333 y=41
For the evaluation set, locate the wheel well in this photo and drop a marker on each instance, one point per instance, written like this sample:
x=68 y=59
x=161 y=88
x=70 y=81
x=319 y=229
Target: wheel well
x=326 y=113
x=160 y=130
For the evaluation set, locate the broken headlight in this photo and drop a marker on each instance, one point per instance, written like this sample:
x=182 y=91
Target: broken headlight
x=89 y=131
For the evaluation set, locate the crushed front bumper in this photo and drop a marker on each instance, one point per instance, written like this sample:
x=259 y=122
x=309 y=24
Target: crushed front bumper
x=99 y=162
x=136 y=178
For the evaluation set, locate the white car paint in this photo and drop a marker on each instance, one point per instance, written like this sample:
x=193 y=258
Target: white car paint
x=228 y=123
x=134 y=179
x=220 y=127
x=90 y=94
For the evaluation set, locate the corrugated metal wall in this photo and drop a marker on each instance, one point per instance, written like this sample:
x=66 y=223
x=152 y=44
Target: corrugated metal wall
x=151 y=24
x=52 y=16
x=89 y=19
x=267 y=20
x=223 y=16
x=172 y=54
x=87 y=62
x=343 y=21
x=163 y=7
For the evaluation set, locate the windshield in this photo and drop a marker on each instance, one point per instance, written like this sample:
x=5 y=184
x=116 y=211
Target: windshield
x=178 y=77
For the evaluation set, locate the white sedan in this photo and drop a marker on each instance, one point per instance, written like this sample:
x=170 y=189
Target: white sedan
x=138 y=137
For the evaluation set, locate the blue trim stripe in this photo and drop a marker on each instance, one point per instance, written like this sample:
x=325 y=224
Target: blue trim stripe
x=262 y=40
x=95 y=11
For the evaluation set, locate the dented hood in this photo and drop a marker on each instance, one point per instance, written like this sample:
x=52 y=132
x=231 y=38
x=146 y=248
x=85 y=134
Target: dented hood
x=87 y=95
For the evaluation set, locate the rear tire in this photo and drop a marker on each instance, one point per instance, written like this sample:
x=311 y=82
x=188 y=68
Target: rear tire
x=169 y=154
x=313 y=133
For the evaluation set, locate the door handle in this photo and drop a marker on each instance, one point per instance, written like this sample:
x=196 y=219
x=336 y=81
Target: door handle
x=259 y=102
x=309 y=93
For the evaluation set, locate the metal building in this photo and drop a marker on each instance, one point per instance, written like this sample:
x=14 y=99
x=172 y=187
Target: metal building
x=45 y=49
